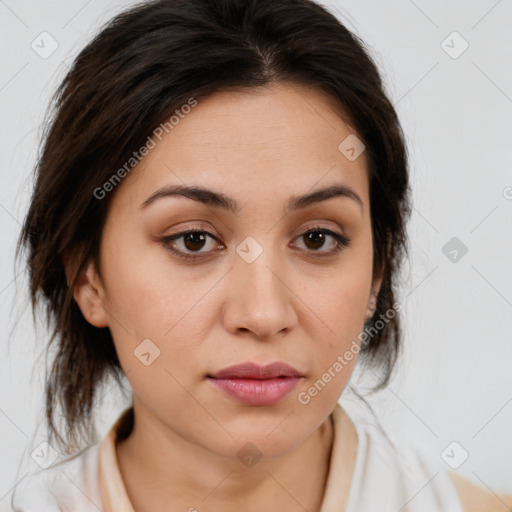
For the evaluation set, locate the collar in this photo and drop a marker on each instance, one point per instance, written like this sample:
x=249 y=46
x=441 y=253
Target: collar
x=112 y=489
x=113 y=492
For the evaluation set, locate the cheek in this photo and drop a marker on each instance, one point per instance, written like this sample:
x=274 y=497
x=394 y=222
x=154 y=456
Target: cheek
x=341 y=297
x=142 y=291
x=339 y=301
x=336 y=342
x=344 y=319
x=151 y=298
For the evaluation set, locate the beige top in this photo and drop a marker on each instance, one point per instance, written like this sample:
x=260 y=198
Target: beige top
x=387 y=476
x=113 y=493
x=112 y=490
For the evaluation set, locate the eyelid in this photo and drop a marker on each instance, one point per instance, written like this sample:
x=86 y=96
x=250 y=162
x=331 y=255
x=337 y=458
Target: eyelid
x=165 y=241
x=342 y=242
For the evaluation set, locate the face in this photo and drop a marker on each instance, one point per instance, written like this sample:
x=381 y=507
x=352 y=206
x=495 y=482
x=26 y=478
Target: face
x=251 y=285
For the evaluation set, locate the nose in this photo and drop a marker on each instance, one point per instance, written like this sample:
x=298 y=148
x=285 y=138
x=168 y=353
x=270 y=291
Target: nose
x=260 y=298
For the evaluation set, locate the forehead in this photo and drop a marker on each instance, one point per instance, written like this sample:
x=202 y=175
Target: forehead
x=276 y=141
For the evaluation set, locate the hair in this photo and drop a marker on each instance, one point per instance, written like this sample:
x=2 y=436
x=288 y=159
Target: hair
x=140 y=67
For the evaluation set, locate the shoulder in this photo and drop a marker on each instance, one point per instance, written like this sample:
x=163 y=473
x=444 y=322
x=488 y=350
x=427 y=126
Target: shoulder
x=69 y=484
x=417 y=462
x=393 y=471
x=475 y=498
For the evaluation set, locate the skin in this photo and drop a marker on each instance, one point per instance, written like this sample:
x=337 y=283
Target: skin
x=259 y=147
x=289 y=305
x=475 y=498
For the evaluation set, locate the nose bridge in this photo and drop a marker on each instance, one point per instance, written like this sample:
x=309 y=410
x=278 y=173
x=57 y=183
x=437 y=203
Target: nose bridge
x=261 y=301
x=256 y=264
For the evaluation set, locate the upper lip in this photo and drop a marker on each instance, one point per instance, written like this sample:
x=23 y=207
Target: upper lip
x=255 y=371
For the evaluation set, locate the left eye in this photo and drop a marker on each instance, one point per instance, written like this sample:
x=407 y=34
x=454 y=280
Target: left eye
x=316 y=237
x=194 y=240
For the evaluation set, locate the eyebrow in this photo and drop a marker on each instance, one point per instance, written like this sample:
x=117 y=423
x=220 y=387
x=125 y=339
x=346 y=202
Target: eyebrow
x=219 y=200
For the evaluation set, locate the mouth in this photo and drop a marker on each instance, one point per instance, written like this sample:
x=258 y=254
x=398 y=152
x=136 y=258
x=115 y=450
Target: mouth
x=252 y=384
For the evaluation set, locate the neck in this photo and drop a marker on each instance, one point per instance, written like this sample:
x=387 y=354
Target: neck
x=159 y=467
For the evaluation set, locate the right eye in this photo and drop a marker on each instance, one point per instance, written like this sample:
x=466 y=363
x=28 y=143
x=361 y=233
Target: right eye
x=192 y=240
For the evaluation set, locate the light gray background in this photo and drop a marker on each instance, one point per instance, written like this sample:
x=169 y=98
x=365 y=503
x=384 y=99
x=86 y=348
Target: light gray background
x=455 y=380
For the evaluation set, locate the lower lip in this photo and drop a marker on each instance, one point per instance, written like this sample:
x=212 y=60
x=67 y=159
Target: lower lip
x=257 y=391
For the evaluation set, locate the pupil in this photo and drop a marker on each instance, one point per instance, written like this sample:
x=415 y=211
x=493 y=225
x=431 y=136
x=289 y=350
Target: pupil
x=317 y=238
x=195 y=238
x=195 y=241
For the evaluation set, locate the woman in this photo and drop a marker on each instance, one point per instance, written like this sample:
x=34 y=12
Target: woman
x=219 y=215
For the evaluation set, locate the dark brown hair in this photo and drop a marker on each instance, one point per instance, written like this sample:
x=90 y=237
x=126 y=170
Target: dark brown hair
x=142 y=66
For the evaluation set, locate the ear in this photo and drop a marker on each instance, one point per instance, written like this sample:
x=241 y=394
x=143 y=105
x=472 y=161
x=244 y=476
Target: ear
x=372 y=301
x=88 y=290
x=377 y=282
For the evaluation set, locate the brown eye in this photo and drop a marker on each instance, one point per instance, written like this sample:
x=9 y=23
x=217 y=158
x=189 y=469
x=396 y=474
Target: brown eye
x=316 y=238
x=192 y=241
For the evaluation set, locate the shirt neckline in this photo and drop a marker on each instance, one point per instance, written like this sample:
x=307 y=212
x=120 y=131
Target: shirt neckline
x=113 y=491
x=333 y=496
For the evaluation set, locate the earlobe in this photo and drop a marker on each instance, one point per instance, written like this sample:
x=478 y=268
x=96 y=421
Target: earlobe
x=372 y=301
x=372 y=306
x=88 y=293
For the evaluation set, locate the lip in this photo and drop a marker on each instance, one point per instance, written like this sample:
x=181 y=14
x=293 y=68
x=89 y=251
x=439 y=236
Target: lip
x=252 y=384
x=255 y=371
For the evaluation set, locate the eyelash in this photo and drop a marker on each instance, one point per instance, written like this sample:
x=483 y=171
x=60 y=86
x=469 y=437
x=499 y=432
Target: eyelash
x=341 y=242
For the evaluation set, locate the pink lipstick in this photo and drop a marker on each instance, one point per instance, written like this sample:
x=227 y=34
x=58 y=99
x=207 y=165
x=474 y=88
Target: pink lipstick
x=252 y=384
